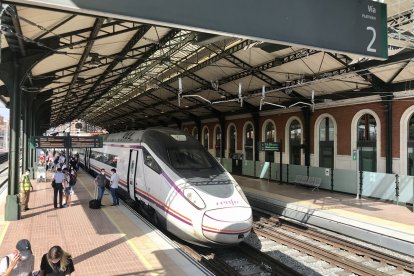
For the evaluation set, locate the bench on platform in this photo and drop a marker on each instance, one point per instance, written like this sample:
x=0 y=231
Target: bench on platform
x=310 y=181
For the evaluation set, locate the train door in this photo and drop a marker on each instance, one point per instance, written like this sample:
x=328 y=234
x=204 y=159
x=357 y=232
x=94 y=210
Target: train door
x=132 y=168
x=152 y=177
x=88 y=159
x=139 y=174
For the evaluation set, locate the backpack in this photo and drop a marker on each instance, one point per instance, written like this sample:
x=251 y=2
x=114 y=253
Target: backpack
x=72 y=180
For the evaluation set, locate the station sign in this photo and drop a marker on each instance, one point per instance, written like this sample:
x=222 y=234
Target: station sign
x=350 y=27
x=68 y=142
x=270 y=146
x=58 y=142
x=86 y=142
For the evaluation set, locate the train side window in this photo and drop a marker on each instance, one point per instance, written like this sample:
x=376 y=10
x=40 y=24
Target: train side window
x=132 y=168
x=151 y=163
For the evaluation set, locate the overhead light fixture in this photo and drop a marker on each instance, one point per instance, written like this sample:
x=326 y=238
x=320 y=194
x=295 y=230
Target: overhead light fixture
x=95 y=61
x=81 y=81
x=288 y=79
x=215 y=84
x=152 y=86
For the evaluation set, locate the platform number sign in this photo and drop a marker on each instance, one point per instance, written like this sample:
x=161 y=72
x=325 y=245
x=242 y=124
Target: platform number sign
x=340 y=26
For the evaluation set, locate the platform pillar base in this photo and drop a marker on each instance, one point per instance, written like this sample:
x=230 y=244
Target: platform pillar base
x=12 y=211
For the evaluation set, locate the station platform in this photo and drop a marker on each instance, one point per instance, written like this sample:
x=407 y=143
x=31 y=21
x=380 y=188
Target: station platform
x=381 y=223
x=110 y=241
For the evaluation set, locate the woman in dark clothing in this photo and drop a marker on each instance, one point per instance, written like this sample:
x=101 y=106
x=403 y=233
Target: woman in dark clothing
x=56 y=263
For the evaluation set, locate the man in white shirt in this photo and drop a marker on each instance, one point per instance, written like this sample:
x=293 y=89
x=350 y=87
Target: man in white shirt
x=20 y=262
x=58 y=187
x=114 y=187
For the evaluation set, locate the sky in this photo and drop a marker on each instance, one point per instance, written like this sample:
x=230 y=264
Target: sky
x=4 y=112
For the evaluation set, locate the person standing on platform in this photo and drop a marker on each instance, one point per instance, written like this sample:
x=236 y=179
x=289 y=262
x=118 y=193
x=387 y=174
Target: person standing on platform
x=56 y=262
x=67 y=188
x=25 y=187
x=114 y=187
x=72 y=163
x=58 y=178
x=20 y=262
x=100 y=182
x=62 y=160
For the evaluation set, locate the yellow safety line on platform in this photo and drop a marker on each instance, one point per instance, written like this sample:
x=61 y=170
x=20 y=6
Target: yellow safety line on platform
x=4 y=231
x=131 y=244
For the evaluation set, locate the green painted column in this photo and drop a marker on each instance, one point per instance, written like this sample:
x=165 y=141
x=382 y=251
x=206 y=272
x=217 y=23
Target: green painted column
x=24 y=132
x=223 y=136
x=12 y=211
x=29 y=119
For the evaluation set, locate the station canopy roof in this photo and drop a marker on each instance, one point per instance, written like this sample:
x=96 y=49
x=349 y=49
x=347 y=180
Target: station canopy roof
x=122 y=75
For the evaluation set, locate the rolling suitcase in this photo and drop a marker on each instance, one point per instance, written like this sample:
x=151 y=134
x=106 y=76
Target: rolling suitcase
x=94 y=203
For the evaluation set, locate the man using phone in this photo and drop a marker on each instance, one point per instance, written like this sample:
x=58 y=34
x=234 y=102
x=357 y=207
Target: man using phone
x=20 y=262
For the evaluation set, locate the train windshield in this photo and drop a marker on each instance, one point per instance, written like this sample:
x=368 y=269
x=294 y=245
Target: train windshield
x=189 y=158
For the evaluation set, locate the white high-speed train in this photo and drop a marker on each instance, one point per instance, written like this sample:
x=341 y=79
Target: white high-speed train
x=175 y=180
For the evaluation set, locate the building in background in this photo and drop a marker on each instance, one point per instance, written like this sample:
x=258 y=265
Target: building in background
x=77 y=128
x=4 y=134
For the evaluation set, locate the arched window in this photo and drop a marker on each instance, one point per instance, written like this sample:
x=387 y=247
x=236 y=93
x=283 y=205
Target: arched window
x=326 y=143
x=232 y=141
x=270 y=136
x=248 y=142
x=195 y=133
x=218 y=141
x=295 y=138
x=410 y=146
x=367 y=143
x=205 y=138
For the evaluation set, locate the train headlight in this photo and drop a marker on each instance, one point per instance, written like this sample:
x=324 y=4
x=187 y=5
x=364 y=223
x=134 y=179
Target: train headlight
x=239 y=189
x=194 y=198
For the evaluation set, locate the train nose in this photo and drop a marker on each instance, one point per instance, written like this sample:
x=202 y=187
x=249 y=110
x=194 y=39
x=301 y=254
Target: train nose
x=227 y=225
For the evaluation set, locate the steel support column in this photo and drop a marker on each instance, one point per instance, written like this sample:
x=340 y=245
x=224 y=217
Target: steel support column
x=388 y=147
x=223 y=136
x=306 y=134
x=256 y=126
x=30 y=131
x=198 y=125
x=24 y=147
x=28 y=125
x=12 y=200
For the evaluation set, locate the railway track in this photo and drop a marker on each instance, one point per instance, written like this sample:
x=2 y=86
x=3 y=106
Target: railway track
x=338 y=257
x=238 y=260
x=345 y=256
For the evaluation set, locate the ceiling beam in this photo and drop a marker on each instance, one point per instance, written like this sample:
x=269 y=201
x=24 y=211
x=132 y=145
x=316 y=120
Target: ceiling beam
x=96 y=28
x=137 y=37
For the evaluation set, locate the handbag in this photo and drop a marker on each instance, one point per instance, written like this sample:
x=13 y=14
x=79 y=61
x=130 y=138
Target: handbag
x=53 y=183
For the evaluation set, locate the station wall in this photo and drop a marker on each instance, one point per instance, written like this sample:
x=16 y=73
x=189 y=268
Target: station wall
x=345 y=120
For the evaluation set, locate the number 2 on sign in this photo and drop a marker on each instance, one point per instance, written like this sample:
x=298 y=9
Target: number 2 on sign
x=374 y=35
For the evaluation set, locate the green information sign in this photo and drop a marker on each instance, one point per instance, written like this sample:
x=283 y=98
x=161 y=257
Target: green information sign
x=269 y=146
